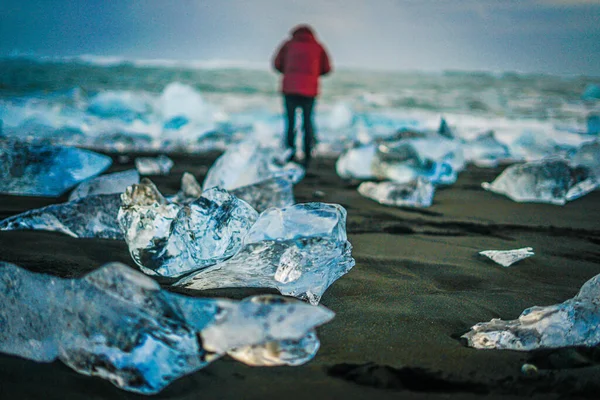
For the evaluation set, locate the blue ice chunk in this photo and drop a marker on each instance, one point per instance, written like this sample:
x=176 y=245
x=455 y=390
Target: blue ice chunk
x=299 y=250
x=122 y=105
x=445 y=130
x=87 y=217
x=117 y=324
x=171 y=239
x=44 y=170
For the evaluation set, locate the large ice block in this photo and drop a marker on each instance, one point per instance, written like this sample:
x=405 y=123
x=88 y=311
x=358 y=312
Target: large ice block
x=418 y=193
x=247 y=163
x=160 y=165
x=299 y=250
x=117 y=324
x=172 y=239
x=44 y=170
x=88 y=217
x=403 y=162
x=355 y=162
x=551 y=180
x=588 y=155
x=486 y=150
x=106 y=184
x=572 y=323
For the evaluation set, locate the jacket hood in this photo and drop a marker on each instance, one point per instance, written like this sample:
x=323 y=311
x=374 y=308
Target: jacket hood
x=303 y=33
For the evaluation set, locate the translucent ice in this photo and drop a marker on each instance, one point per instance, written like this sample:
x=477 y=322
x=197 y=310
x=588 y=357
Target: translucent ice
x=123 y=105
x=117 y=324
x=273 y=192
x=171 y=239
x=402 y=162
x=417 y=193
x=285 y=352
x=486 y=151
x=88 y=217
x=190 y=190
x=355 y=162
x=44 y=170
x=550 y=180
x=247 y=163
x=506 y=258
x=106 y=184
x=299 y=250
x=160 y=165
x=572 y=323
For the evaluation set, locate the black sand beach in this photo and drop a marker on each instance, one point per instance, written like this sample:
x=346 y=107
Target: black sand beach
x=418 y=284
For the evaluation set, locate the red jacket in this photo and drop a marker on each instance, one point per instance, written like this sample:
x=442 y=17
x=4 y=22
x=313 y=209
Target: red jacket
x=302 y=60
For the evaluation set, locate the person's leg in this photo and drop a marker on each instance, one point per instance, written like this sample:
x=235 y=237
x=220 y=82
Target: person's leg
x=307 y=127
x=290 y=110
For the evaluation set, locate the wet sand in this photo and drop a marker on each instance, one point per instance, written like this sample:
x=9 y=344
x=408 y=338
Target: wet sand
x=418 y=284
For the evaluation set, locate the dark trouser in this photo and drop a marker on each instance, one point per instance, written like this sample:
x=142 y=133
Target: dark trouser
x=292 y=102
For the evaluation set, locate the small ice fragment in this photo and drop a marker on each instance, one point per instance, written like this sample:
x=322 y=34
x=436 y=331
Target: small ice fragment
x=160 y=165
x=106 y=184
x=418 y=193
x=571 y=323
x=355 y=162
x=506 y=258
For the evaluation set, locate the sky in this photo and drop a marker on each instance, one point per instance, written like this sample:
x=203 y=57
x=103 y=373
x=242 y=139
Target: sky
x=553 y=36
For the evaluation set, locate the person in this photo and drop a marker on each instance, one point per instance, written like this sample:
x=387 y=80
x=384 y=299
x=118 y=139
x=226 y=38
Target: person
x=302 y=60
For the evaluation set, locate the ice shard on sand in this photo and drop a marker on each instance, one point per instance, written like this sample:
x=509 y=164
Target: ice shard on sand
x=105 y=184
x=417 y=193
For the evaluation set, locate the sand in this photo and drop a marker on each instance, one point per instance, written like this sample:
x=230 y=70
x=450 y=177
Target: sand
x=418 y=284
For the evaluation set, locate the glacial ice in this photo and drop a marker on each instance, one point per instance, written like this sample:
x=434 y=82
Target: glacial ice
x=506 y=258
x=572 y=323
x=190 y=190
x=404 y=161
x=486 y=150
x=299 y=250
x=417 y=193
x=247 y=163
x=117 y=324
x=291 y=352
x=160 y=165
x=551 y=180
x=105 y=184
x=124 y=105
x=87 y=217
x=274 y=192
x=355 y=162
x=45 y=170
x=170 y=239
x=445 y=130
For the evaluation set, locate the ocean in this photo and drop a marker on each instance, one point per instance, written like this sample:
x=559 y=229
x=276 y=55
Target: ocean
x=122 y=105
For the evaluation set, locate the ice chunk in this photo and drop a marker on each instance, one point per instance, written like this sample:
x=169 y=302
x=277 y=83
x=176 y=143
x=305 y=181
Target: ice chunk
x=299 y=250
x=534 y=146
x=506 y=258
x=273 y=192
x=401 y=162
x=171 y=239
x=44 y=170
x=417 y=193
x=124 y=105
x=572 y=323
x=285 y=352
x=355 y=162
x=588 y=155
x=551 y=180
x=190 y=190
x=106 y=184
x=486 y=150
x=160 y=165
x=88 y=217
x=340 y=117
x=117 y=324
x=445 y=130
x=247 y=163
